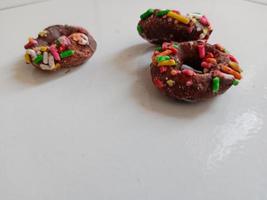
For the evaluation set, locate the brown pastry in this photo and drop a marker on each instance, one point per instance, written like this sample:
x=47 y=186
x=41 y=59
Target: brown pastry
x=60 y=46
x=193 y=71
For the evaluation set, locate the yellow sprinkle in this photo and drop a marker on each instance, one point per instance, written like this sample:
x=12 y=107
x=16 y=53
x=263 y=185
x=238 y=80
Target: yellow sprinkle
x=167 y=63
x=43 y=48
x=27 y=58
x=43 y=33
x=235 y=66
x=170 y=83
x=178 y=17
x=57 y=66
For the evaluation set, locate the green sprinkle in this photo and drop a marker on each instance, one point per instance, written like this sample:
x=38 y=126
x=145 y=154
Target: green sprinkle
x=176 y=46
x=147 y=14
x=158 y=48
x=235 y=82
x=139 y=29
x=162 y=13
x=67 y=53
x=216 y=85
x=163 y=58
x=38 y=59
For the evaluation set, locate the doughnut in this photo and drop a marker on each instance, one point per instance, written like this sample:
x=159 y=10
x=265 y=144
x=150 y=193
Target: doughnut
x=60 y=46
x=194 y=71
x=158 y=26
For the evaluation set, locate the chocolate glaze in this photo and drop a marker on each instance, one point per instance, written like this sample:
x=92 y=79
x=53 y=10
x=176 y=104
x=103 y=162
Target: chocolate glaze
x=157 y=30
x=201 y=83
x=82 y=52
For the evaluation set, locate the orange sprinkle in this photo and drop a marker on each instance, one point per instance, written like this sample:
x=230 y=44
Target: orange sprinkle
x=228 y=70
x=211 y=60
x=235 y=66
x=165 y=53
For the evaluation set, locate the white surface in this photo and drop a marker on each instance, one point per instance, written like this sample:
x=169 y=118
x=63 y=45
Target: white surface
x=103 y=132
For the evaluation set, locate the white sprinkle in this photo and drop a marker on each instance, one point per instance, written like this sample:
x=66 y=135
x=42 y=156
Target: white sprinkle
x=44 y=67
x=32 y=53
x=51 y=61
x=45 y=58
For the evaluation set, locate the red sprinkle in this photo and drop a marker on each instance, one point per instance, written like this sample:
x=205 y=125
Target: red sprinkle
x=188 y=72
x=204 y=21
x=232 y=58
x=61 y=48
x=156 y=53
x=159 y=84
x=209 y=55
x=175 y=72
x=205 y=65
x=174 y=50
x=201 y=50
x=176 y=11
x=165 y=46
x=162 y=69
x=31 y=43
x=189 y=83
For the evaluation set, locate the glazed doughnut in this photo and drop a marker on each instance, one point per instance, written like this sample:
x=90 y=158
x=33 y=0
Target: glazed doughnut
x=193 y=71
x=158 y=26
x=60 y=46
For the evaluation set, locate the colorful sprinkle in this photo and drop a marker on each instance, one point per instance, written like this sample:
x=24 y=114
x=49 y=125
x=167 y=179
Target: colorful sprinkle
x=45 y=58
x=27 y=58
x=228 y=70
x=235 y=82
x=163 y=69
x=167 y=63
x=38 y=59
x=189 y=83
x=43 y=48
x=63 y=40
x=54 y=52
x=162 y=58
x=44 y=67
x=170 y=83
x=162 y=13
x=219 y=47
x=158 y=49
x=211 y=60
x=175 y=72
x=67 y=53
x=174 y=50
x=188 y=72
x=139 y=29
x=206 y=65
x=165 y=53
x=204 y=21
x=81 y=38
x=235 y=66
x=158 y=83
x=201 y=50
x=147 y=14
x=216 y=85
x=178 y=17
x=32 y=53
x=43 y=33
x=232 y=58
x=32 y=42
x=51 y=61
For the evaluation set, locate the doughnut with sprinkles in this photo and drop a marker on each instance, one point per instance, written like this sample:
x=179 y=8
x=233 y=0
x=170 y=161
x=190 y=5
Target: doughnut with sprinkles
x=193 y=71
x=158 y=26
x=60 y=46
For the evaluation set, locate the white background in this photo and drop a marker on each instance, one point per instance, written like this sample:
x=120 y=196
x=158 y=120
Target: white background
x=103 y=132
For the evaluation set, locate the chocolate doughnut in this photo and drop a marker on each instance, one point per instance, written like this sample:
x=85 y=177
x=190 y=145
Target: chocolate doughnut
x=60 y=46
x=193 y=71
x=158 y=26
